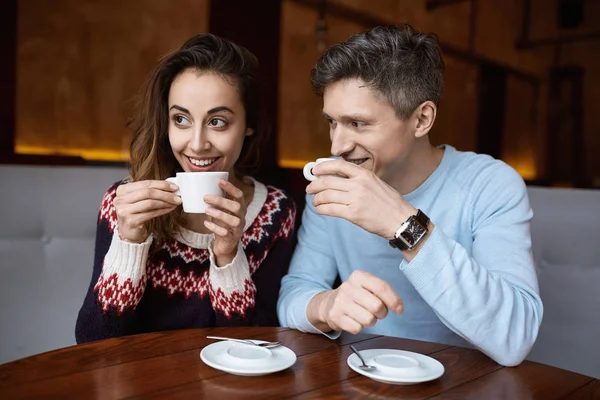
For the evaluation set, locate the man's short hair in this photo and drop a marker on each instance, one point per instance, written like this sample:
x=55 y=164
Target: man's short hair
x=403 y=66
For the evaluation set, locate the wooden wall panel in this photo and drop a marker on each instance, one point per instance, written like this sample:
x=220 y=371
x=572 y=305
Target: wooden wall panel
x=303 y=132
x=80 y=63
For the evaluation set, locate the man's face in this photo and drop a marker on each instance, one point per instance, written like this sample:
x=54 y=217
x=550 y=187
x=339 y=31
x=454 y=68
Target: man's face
x=364 y=128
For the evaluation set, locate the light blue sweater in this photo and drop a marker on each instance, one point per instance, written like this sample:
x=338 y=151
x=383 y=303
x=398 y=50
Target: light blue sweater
x=473 y=279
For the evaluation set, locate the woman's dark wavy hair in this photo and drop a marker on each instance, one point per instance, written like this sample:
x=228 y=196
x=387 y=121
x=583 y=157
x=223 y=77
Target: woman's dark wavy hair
x=151 y=153
x=403 y=66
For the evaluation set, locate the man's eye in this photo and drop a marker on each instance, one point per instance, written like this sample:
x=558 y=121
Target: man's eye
x=217 y=123
x=356 y=124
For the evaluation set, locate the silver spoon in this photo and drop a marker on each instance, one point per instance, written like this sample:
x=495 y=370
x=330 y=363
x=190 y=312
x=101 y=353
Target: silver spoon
x=364 y=366
x=266 y=345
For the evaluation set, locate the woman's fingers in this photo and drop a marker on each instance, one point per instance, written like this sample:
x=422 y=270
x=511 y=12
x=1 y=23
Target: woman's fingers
x=148 y=205
x=229 y=220
x=148 y=184
x=234 y=207
x=217 y=229
x=146 y=193
x=232 y=190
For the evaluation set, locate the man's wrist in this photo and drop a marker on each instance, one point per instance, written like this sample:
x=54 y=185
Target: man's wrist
x=317 y=309
x=397 y=221
x=410 y=254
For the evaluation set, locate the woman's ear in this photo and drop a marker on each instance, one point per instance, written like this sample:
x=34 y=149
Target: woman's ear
x=249 y=131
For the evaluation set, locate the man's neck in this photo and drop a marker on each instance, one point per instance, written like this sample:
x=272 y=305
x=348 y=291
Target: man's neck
x=416 y=168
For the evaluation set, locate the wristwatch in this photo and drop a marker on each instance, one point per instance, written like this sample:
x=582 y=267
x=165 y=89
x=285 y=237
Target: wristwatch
x=411 y=232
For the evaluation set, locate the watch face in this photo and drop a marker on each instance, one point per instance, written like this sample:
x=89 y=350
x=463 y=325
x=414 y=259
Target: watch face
x=413 y=233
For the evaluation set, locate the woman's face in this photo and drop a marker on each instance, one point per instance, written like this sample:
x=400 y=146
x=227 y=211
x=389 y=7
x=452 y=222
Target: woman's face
x=207 y=121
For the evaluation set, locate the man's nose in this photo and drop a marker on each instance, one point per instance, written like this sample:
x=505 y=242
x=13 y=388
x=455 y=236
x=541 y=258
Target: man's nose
x=341 y=142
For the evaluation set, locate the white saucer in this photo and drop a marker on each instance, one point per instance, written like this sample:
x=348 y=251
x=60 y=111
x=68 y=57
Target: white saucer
x=410 y=368
x=247 y=360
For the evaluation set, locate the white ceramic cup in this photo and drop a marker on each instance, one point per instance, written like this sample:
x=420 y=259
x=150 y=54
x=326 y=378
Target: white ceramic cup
x=193 y=186
x=309 y=166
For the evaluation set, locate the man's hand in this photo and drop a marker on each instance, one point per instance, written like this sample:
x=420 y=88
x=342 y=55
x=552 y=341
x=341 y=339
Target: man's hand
x=358 y=303
x=358 y=196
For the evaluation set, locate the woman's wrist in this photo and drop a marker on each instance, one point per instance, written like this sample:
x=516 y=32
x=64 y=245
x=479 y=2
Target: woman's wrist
x=225 y=259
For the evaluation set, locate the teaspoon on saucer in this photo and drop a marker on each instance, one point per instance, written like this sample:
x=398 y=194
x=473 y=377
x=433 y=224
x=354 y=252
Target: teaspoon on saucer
x=266 y=345
x=364 y=366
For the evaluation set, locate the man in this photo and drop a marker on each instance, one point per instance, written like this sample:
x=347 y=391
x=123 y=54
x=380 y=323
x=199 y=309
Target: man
x=437 y=236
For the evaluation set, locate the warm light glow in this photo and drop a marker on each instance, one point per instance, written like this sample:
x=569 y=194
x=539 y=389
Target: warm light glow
x=88 y=154
x=293 y=164
x=525 y=167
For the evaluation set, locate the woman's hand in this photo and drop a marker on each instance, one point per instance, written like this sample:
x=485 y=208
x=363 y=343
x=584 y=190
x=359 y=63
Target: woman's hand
x=139 y=202
x=228 y=217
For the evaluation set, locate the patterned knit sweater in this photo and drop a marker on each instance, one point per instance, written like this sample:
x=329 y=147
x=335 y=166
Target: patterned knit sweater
x=178 y=286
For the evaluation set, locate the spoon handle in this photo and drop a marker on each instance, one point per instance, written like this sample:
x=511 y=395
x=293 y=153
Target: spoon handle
x=358 y=354
x=231 y=339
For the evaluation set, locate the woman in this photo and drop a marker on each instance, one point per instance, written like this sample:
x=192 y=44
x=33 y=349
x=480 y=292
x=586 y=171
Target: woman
x=158 y=268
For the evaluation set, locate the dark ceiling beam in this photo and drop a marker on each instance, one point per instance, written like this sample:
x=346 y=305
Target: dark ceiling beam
x=530 y=43
x=369 y=21
x=433 y=4
x=525 y=42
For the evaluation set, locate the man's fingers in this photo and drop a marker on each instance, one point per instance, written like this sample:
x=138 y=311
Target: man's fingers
x=337 y=167
x=373 y=304
x=331 y=196
x=381 y=289
x=329 y=182
x=346 y=323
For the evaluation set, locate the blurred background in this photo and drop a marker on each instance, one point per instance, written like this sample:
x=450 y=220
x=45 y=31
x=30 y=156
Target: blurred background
x=520 y=81
x=522 y=85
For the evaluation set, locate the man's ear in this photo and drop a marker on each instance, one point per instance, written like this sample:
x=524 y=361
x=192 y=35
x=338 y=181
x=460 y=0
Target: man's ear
x=249 y=131
x=425 y=117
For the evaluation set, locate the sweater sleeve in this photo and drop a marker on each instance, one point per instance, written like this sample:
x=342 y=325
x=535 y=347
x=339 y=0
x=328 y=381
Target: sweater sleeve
x=245 y=291
x=490 y=297
x=118 y=280
x=313 y=269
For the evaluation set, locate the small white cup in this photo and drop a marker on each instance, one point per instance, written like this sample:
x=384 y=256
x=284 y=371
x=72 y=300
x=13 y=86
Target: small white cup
x=193 y=186
x=309 y=166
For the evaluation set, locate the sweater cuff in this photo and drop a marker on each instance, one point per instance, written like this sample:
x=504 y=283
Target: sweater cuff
x=123 y=278
x=300 y=319
x=231 y=277
x=430 y=260
x=127 y=260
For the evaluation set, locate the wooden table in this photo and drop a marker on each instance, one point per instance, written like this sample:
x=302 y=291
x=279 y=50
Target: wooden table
x=167 y=365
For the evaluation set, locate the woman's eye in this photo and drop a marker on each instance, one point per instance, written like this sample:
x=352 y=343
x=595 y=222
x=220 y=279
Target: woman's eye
x=181 y=120
x=217 y=123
